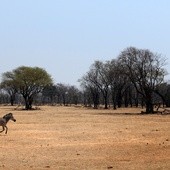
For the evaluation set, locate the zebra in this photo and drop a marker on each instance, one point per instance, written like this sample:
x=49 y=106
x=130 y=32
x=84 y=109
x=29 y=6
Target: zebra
x=4 y=120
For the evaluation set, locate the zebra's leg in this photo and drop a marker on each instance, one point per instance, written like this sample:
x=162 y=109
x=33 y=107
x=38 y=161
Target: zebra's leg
x=3 y=128
x=6 y=129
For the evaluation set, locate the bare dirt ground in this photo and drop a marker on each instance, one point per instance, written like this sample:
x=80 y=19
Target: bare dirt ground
x=80 y=138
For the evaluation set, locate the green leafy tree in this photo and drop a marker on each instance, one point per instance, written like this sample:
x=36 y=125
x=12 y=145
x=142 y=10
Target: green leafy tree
x=29 y=81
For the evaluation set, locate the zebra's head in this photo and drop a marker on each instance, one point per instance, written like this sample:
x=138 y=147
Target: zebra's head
x=8 y=117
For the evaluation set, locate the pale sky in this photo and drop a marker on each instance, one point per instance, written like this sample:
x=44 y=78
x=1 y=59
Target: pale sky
x=66 y=36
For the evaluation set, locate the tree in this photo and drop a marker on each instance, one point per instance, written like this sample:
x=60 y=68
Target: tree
x=50 y=92
x=145 y=71
x=73 y=95
x=29 y=81
x=117 y=81
x=91 y=91
x=97 y=80
x=9 y=85
x=163 y=90
x=62 y=93
x=99 y=77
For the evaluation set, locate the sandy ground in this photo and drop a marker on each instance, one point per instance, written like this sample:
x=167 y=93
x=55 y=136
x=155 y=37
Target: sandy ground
x=78 y=138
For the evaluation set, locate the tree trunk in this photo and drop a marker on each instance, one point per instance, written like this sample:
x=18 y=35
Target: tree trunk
x=95 y=95
x=105 y=103
x=149 y=104
x=119 y=99
x=28 y=102
x=12 y=100
x=105 y=96
x=149 y=107
x=126 y=102
x=114 y=99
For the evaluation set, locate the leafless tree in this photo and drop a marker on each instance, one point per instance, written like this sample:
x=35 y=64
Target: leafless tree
x=97 y=78
x=91 y=90
x=145 y=70
x=9 y=85
x=118 y=82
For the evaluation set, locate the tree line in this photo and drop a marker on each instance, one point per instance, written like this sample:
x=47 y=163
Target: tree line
x=134 y=78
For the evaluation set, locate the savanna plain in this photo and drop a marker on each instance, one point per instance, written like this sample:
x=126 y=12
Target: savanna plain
x=70 y=138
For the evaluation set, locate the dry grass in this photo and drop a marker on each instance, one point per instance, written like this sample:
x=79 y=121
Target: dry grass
x=79 y=138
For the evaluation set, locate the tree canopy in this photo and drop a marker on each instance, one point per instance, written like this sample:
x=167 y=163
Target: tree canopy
x=27 y=81
x=145 y=71
x=135 y=72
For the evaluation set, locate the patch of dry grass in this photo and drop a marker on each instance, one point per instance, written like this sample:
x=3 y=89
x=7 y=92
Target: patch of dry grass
x=80 y=138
